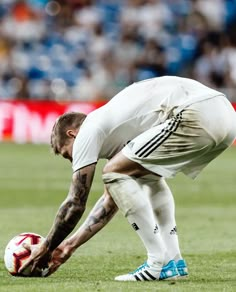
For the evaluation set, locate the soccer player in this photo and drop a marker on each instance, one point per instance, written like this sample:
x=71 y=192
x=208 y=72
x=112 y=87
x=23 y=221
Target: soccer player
x=150 y=131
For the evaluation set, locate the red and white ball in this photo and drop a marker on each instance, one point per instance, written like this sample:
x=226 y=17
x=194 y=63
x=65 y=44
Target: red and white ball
x=16 y=255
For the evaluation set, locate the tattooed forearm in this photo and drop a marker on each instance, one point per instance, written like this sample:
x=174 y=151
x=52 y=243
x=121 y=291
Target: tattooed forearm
x=72 y=208
x=100 y=215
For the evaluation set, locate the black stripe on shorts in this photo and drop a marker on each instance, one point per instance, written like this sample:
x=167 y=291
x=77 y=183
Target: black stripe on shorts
x=157 y=140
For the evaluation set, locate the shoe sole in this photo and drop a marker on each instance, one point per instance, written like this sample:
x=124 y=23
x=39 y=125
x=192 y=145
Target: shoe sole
x=174 y=278
x=182 y=277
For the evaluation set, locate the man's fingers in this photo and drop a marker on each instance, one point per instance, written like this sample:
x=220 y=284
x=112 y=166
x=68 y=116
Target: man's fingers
x=38 y=259
x=26 y=246
x=28 y=262
x=25 y=265
x=33 y=267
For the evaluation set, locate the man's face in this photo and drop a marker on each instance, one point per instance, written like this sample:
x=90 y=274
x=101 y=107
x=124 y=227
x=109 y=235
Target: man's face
x=66 y=150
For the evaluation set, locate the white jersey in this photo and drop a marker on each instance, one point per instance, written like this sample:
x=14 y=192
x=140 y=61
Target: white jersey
x=131 y=112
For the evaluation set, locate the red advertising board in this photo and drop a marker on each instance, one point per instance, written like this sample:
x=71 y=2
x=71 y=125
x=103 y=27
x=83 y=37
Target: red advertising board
x=32 y=121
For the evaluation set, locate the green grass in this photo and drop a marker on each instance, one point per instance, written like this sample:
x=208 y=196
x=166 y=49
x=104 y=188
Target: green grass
x=33 y=183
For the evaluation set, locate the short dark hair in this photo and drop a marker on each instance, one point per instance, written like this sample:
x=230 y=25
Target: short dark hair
x=71 y=120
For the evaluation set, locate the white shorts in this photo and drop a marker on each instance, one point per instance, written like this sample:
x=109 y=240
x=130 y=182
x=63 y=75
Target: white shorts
x=187 y=141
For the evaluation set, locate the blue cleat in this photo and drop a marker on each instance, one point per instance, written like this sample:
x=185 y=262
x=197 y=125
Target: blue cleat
x=169 y=271
x=182 y=268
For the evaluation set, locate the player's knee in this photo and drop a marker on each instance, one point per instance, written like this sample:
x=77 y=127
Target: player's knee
x=125 y=192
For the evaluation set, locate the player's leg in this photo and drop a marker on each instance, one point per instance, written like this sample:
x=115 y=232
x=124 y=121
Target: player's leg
x=135 y=205
x=169 y=148
x=164 y=150
x=163 y=205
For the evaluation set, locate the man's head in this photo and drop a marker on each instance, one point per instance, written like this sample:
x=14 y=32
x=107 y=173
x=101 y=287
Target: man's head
x=64 y=132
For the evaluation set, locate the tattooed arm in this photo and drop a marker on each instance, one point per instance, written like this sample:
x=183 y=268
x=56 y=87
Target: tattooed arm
x=66 y=219
x=101 y=214
x=72 y=208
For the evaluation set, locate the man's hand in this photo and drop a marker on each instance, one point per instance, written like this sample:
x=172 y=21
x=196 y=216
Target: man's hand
x=39 y=258
x=59 y=256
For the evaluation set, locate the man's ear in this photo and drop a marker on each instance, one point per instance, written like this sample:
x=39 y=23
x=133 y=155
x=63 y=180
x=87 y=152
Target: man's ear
x=71 y=133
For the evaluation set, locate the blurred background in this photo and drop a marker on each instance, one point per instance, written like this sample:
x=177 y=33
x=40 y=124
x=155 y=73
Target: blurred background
x=87 y=51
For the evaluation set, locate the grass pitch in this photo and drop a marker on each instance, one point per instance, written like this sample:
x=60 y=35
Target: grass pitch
x=33 y=183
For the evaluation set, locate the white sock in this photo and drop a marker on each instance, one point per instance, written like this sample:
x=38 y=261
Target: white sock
x=163 y=205
x=135 y=205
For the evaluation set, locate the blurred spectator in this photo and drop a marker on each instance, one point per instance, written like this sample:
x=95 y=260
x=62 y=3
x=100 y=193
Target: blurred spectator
x=149 y=17
x=229 y=58
x=208 y=65
x=151 y=61
x=89 y=50
x=88 y=87
x=214 y=11
x=23 y=23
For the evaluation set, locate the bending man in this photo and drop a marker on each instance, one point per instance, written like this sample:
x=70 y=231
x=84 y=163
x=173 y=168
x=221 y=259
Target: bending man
x=150 y=131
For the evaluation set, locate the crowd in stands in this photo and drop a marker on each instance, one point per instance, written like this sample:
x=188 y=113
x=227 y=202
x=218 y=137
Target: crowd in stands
x=90 y=50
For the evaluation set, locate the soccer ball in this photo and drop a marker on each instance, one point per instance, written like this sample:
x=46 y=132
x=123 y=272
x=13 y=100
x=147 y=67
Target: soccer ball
x=16 y=255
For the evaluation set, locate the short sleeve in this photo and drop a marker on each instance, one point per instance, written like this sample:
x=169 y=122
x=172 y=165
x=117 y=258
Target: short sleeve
x=87 y=146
